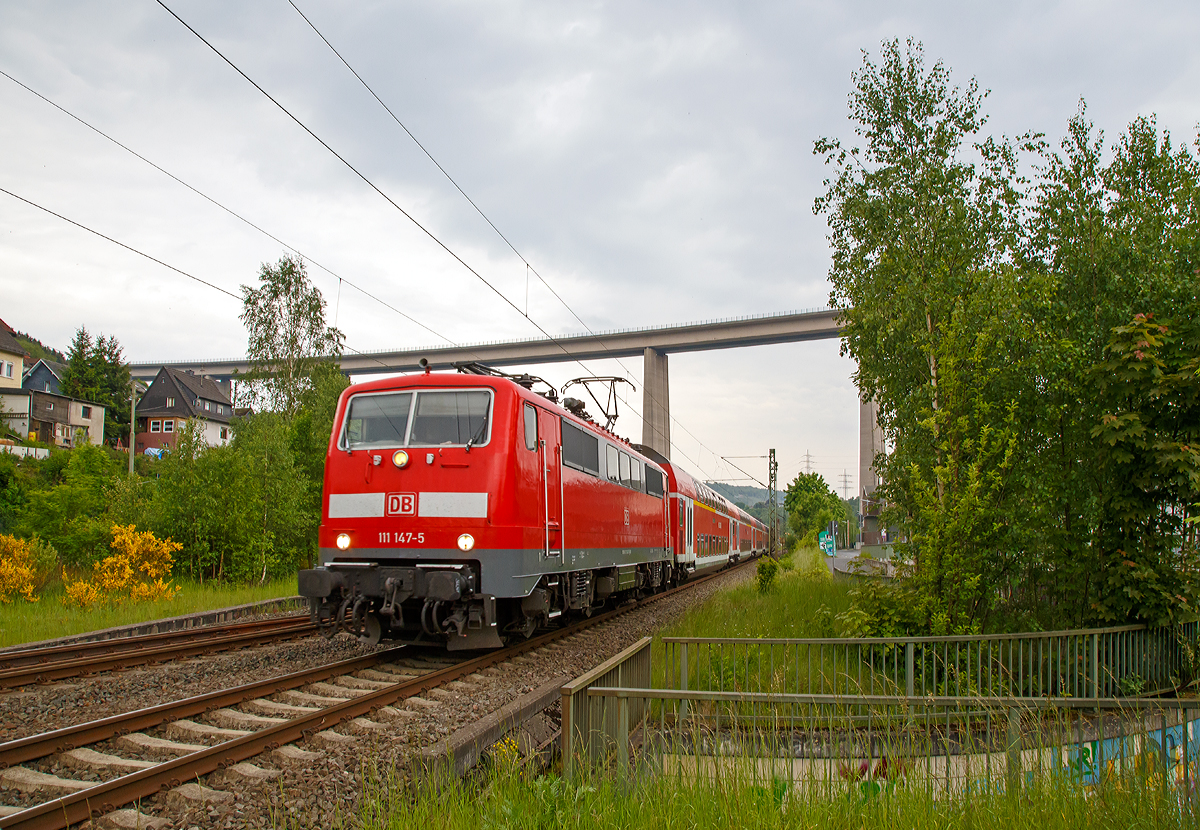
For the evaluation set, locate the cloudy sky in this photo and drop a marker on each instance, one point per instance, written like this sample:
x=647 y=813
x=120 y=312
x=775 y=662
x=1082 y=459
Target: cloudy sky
x=653 y=161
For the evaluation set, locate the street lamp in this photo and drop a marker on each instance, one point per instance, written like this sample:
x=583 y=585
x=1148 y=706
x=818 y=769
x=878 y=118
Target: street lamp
x=135 y=386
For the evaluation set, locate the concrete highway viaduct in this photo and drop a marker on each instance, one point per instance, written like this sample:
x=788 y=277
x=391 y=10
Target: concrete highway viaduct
x=653 y=344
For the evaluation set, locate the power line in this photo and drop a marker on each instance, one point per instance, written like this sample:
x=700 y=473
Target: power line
x=223 y=207
x=390 y=201
x=149 y=257
x=529 y=266
x=122 y=244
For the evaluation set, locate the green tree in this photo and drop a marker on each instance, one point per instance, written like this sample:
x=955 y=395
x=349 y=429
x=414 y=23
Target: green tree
x=97 y=372
x=1150 y=382
x=69 y=514
x=922 y=242
x=82 y=377
x=285 y=324
x=811 y=505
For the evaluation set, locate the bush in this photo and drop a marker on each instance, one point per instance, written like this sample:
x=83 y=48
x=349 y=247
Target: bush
x=768 y=568
x=17 y=570
x=139 y=570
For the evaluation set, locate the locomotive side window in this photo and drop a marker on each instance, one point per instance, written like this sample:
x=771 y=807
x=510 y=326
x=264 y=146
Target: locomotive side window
x=450 y=418
x=625 y=470
x=613 y=475
x=635 y=474
x=580 y=449
x=531 y=428
x=377 y=421
x=654 y=482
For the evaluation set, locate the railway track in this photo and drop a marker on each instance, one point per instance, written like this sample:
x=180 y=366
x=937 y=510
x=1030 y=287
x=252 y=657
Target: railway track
x=20 y=667
x=360 y=689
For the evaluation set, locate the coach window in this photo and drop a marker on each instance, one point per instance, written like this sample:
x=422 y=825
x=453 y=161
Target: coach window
x=530 y=427
x=613 y=475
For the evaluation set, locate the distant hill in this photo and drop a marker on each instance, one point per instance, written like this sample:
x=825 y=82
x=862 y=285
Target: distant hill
x=37 y=349
x=748 y=496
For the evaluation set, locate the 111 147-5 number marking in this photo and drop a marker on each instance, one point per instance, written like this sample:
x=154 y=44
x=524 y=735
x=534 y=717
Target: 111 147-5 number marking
x=389 y=538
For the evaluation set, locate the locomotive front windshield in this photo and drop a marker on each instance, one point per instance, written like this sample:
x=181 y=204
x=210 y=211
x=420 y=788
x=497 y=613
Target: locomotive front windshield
x=423 y=419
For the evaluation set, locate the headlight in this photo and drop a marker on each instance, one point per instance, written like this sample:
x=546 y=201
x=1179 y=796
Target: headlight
x=400 y=458
x=343 y=541
x=466 y=542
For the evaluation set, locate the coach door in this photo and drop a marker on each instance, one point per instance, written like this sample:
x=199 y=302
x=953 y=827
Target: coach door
x=550 y=447
x=690 y=550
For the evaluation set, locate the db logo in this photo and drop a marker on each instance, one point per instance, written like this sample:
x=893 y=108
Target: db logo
x=626 y=517
x=401 y=504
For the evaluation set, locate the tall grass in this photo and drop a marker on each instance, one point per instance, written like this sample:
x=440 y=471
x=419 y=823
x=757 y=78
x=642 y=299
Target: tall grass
x=801 y=603
x=505 y=798
x=24 y=622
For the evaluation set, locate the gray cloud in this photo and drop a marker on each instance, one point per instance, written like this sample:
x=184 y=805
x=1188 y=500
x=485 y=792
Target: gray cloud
x=653 y=161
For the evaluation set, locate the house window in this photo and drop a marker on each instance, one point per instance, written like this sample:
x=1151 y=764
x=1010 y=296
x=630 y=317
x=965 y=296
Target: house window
x=168 y=426
x=87 y=412
x=224 y=433
x=47 y=385
x=50 y=406
x=7 y=369
x=206 y=406
x=155 y=426
x=170 y=402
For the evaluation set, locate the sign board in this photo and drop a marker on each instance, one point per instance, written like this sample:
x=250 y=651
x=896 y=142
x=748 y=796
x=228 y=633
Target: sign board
x=828 y=543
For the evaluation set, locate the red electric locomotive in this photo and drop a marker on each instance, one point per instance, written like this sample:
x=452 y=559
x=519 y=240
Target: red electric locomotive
x=466 y=509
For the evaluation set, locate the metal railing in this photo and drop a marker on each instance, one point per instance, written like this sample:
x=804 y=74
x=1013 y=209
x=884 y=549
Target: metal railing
x=1098 y=663
x=588 y=724
x=833 y=743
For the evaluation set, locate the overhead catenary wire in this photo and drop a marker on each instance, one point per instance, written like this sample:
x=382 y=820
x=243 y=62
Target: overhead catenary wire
x=153 y=259
x=528 y=265
x=82 y=226
x=384 y=195
x=225 y=208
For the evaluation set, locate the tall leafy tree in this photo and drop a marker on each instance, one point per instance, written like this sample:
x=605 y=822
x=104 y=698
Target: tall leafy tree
x=922 y=275
x=287 y=337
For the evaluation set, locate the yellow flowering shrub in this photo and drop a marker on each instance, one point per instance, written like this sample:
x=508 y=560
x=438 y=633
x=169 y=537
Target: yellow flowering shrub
x=17 y=570
x=139 y=570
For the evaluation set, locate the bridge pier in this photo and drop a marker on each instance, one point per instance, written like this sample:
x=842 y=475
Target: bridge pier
x=656 y=402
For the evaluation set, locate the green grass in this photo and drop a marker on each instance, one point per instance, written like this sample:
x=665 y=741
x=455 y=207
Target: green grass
x=792 y=607
x=24 y=622
x=508 y=799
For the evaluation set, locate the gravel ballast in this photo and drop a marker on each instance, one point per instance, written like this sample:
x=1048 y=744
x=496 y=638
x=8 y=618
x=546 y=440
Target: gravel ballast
x=325 y=791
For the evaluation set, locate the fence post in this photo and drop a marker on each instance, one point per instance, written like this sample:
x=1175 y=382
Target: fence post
x=909 y=654
x=1096 y=665
x=1013 y=748
x=568 y=733
x=623 y=737
x=683 y=681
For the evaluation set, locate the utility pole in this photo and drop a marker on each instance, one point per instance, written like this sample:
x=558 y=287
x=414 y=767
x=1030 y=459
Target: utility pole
x=133 y=390
x=773 y=501
x=807 y=461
